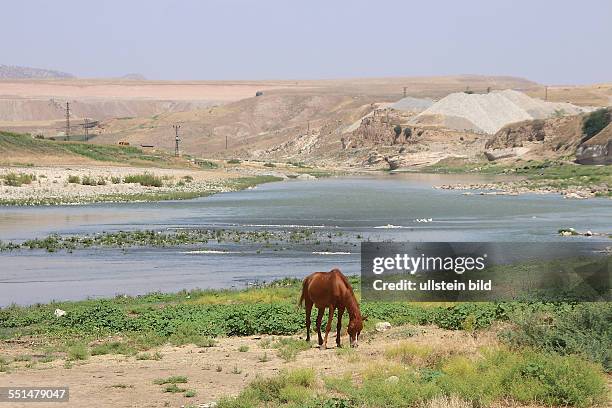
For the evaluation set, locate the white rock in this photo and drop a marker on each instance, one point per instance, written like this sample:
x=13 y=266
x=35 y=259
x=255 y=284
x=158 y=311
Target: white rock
x=394 y=379
x=59 y=313
x=383 y=326
x=588 y=233
x=574 y=196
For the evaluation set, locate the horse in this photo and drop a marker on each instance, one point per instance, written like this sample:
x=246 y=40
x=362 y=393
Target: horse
x=331 y=289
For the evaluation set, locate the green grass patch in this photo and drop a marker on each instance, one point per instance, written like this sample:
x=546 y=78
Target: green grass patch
x=17 y=179
x=176 y=379
x=145 y=179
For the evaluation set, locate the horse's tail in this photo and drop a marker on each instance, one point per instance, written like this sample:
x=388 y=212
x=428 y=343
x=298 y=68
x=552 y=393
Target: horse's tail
x=304 y=288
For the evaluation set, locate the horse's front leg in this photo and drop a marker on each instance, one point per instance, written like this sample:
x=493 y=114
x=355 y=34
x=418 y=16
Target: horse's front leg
x=339 y=326
x=308 y=313
x=329 y=324
x=319 y=320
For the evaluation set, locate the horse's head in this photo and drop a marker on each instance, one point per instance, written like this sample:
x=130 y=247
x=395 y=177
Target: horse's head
x=354 y=329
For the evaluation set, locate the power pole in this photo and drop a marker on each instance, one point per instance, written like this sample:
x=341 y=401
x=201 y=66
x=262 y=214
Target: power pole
x=67 y=120
x=176 y=139
x=86 y=129
x=404 y=92
x=545 y=92
x=225 y=142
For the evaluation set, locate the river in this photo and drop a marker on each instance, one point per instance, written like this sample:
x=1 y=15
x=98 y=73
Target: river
x=400 y=207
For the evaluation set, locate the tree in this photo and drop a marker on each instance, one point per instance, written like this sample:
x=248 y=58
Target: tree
x=407 y=133
x=398 y=131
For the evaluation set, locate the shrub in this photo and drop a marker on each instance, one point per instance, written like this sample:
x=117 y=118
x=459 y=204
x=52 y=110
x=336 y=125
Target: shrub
x=175 y=379
x=595 y=122
x=583 y=329
x=17 y=180
x=74 y=179
x=269 y=164
x=145 y=179
x=234 y=161
x=78 y=352
x=89 y=181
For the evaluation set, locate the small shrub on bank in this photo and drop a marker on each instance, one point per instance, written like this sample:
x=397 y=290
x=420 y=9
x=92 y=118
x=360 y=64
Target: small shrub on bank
x=17 y=180
x=74 y=179
x=234 y=161
x=145 y=179
x=268 y=164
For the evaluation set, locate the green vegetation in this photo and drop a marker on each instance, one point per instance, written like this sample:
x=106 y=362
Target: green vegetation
x=151 y=238
x=145 y=179
x=555 y=175
x=17 y=180
x=14 y=142
x=235 y=184
x=269 y=164
x=595 y=122
x=176 y=379
x=234 y=161
x=496 y=375
x=74 y=179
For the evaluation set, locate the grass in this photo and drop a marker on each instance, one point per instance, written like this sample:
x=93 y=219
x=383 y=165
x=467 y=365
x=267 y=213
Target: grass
x=149 y=356
x=12 y=143
x=145 y=179
x=496 y=376
x=235 y=184
x=538 y=174
x=17 y=179
x=289 y=348
x=114 y=347
x=176 y=379
x=78 y=352
x=243 y=349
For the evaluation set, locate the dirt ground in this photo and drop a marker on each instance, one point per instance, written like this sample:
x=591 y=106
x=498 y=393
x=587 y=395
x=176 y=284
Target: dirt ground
x=212 y=372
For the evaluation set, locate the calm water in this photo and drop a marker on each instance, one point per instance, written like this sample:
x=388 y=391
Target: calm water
x=380 y=208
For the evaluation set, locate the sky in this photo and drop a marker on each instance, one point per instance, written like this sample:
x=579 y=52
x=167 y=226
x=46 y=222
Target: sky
x=551 y=42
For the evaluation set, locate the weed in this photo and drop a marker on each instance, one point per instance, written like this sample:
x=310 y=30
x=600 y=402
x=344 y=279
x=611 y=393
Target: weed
x=243 y=349
x=177 y=379
x=74 y=179
x=78 y=352
x=145 y=179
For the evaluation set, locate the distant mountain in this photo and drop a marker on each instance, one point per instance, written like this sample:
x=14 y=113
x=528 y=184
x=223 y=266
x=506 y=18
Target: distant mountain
x=15 y=72
x=134 y=77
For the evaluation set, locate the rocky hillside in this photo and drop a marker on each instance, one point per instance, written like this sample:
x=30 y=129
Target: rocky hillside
x=556 y=137
x=16 y=72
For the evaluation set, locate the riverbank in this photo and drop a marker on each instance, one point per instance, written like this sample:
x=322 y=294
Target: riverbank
x=570 y=180
x=245 y=348
x=56 y=185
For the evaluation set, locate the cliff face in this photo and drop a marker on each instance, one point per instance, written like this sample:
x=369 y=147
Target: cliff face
x=598 y=149
x=555 y=137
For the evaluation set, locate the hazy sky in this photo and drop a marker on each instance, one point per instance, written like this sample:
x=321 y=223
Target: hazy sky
x=549 y=41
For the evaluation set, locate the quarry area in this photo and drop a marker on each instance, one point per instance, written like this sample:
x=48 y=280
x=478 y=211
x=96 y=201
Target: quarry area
x=351 y=125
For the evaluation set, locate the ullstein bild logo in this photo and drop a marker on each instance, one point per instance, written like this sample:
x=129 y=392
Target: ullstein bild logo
x=476 y=271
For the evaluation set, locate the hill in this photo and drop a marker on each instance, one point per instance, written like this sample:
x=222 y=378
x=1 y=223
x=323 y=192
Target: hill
x=17 y=72
x=22 y=149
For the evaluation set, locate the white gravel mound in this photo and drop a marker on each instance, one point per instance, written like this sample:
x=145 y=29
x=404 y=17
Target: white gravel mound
x=411 y=104
x=487 y=113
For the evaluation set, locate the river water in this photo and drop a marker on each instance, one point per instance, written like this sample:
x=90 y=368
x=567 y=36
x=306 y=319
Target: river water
x=401 y=207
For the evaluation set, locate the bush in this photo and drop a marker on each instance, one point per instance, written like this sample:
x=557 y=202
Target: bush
x=145 y=179
x=234 y=161
x=584 y=329
x=74 y=179
x=89 y=181
x=17 y=180
x=595 y=122
x=269 y=164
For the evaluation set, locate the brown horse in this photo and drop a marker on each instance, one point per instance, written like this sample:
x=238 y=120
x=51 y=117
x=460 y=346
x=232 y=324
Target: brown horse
x=331 y=289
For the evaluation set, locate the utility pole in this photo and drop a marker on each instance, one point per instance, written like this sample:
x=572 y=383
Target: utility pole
x=545 y=92
x=86 y=129
x=67 y=120
x=225 y=142
x=308 y=129
x=176 y=139
x=404 y=92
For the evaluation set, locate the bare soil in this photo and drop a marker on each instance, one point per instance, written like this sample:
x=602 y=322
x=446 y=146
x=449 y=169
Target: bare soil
x=212 y=372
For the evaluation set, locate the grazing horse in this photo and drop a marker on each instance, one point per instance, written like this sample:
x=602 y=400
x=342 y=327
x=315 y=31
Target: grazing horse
x=331 y=289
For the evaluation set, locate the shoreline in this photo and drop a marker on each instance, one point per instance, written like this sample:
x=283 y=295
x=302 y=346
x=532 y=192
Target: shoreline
x=81 y=185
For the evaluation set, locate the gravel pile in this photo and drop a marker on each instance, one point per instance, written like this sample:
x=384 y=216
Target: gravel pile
x=487 y=113
x=411 y=104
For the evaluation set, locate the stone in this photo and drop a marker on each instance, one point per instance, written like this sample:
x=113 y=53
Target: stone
x=383 y=326
x=59 y=313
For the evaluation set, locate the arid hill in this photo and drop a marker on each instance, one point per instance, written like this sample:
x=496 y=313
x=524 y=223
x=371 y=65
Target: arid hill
x=17 y=72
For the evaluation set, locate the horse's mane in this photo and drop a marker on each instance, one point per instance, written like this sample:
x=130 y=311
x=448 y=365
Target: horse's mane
x=345 y=280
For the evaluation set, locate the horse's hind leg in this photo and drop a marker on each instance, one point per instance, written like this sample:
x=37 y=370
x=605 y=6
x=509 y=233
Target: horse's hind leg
x=308 y=305
x=329 y=324
x=339 y=326
x=319 y=320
